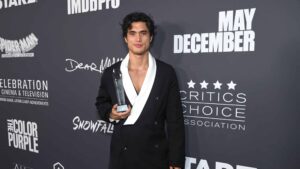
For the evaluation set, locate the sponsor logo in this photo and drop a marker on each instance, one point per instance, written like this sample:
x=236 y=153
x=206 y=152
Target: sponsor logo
x=93 y=126
x=12 y=3
x=23 y=135
x=18 y=48
x=26 y=91
x=84 y=6
x=214 y=105
x=73 y=65
x=193 y=163
x=20 y=166
x=234 y=34
x=58 y=165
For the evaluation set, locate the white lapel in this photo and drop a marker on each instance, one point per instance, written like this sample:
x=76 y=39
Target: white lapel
x=137 y=101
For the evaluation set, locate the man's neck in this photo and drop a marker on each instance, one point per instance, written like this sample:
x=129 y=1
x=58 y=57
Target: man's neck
x=138 y=62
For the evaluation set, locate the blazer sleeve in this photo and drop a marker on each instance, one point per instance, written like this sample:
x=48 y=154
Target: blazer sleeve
x=103 y=100
x=175 y=124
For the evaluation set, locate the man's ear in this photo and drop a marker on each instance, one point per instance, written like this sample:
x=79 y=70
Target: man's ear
x=151 y=38
x=125 y=39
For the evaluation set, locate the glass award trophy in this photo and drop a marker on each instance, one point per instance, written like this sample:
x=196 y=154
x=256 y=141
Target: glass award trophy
x=117 y=78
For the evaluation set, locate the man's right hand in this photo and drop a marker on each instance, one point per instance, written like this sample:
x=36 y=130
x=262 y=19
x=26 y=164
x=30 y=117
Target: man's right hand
x=119 y=115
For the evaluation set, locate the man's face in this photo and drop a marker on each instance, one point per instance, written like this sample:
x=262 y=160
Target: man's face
x=138 y=38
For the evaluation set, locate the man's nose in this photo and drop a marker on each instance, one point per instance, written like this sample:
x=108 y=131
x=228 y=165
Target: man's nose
x=139 y=37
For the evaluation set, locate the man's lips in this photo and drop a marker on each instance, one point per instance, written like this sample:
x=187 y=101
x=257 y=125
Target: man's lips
x=138 y=45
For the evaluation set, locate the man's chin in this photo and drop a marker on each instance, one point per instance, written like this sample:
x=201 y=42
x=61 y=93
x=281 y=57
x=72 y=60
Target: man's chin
x=139 y=52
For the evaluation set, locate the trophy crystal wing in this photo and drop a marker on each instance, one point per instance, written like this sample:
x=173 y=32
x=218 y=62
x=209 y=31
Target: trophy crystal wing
x=117 y=78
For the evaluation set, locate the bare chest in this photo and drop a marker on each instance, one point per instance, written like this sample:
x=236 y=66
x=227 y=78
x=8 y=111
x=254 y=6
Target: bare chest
x=137 y=78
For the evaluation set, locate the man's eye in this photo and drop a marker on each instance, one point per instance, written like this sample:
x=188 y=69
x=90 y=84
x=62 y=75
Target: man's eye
x=144 y=33
x=131 y=33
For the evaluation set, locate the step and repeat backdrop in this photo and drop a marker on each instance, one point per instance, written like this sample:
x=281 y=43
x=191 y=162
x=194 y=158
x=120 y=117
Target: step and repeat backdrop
x=237 y=63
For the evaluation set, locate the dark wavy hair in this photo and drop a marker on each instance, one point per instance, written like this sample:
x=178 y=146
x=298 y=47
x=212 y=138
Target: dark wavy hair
x=138 y=17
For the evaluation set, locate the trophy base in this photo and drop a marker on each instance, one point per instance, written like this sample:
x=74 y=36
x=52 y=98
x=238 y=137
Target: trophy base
x=122 y=108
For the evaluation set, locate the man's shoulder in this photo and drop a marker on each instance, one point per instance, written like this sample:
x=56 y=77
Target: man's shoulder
x=163 y=66
x=113 y=66
x=108 y=71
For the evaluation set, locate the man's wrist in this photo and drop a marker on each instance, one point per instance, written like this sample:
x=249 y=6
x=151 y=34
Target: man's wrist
x=113 y=120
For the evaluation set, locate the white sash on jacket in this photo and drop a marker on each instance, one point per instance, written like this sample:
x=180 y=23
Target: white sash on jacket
x=137 y=101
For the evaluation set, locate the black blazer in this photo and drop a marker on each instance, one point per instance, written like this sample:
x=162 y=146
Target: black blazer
x=157 y=139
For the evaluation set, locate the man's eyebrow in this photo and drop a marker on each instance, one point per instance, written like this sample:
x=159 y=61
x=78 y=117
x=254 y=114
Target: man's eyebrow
x=138 y=31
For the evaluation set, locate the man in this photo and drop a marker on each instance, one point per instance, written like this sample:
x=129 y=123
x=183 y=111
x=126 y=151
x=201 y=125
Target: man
x=150 y=134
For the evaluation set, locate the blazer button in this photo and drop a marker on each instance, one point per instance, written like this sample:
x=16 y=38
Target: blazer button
x=155 y=123
x=156 y=98
x=125 y=148
x=156 y=146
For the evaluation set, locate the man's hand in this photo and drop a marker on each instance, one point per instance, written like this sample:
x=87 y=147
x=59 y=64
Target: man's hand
x=119 y=115
x=171 y=167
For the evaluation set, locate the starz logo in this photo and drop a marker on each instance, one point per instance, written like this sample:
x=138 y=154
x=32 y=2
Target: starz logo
x=214 y=104
x=217 y=85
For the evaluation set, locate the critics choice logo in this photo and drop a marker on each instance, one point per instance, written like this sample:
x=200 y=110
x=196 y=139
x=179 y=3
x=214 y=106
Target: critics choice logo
x=26 y=91
x=12 y=3
x=18 y=48
x=93 y=126
x=73 y=65
x=58 y=165
x=234 y=34
x=83 y=6
x=214 y=105
x=23 y=135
